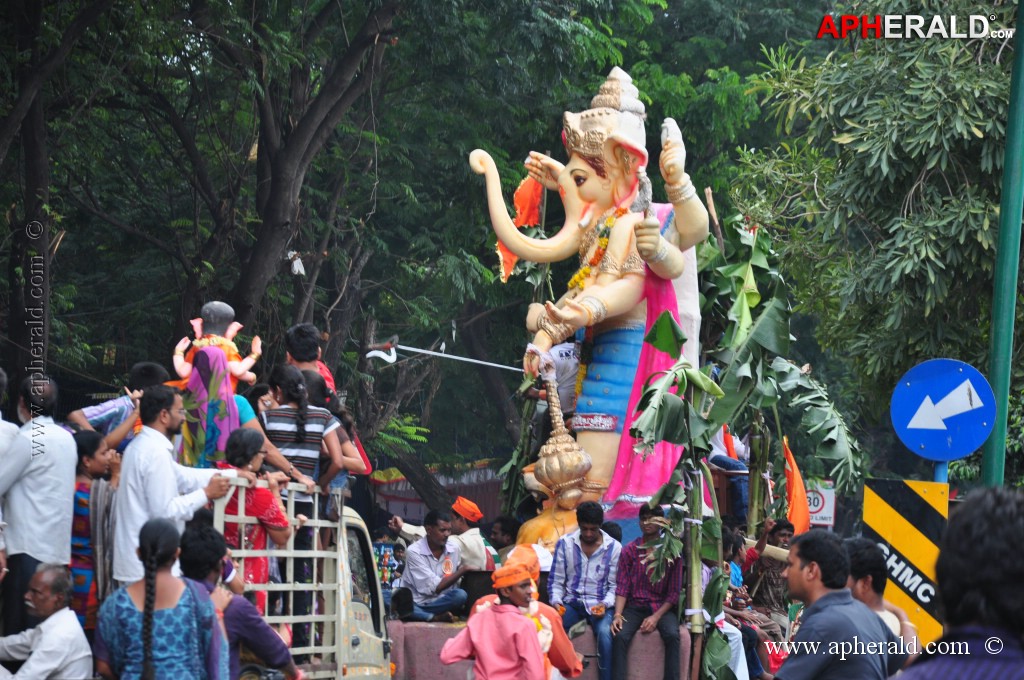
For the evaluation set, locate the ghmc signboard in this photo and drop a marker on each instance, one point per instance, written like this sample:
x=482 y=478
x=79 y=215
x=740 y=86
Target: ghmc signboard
x=906 y=519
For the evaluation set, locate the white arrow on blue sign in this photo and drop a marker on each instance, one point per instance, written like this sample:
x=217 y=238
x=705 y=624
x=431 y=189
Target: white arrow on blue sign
x=943 y=409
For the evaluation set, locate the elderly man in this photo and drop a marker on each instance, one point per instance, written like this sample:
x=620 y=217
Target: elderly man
x=56 y=648
x=37 y=483
x=477 y=554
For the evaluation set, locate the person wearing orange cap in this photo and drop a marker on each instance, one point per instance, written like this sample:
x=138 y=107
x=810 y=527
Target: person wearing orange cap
x=560 y=655
x=502 y=639
x=477 y=553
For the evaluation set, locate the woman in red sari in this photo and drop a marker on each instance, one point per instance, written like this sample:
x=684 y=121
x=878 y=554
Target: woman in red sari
x=245 y=451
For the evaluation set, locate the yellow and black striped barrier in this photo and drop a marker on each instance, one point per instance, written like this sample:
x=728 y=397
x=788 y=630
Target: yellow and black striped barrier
x=906 y=519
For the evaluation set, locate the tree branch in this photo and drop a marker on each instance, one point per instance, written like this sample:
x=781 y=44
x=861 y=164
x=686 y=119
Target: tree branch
x=92 y=207
x=202 y=183
x=32 y=83
x=304 y=141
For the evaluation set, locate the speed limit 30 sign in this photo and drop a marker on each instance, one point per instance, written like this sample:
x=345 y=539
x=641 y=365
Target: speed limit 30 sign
x=821 y=500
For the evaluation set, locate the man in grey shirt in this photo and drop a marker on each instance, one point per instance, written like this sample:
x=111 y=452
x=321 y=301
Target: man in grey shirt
x=839 y=637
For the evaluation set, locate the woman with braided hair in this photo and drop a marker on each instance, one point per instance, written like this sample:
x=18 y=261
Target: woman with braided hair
x=162 y=626
x=300 y=431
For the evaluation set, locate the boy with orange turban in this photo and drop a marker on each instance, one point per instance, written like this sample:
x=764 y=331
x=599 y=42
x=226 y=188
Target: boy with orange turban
x=558 y=650
x=501 y=638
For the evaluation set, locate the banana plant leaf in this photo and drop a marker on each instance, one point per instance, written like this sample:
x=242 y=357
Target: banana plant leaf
x=748 y=364
x=715 y=662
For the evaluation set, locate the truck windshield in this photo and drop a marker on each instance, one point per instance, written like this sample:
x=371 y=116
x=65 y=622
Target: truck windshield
x=361 y=563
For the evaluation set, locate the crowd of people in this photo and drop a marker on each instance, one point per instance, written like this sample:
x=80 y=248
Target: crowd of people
x=109 y=562
x=796 y=607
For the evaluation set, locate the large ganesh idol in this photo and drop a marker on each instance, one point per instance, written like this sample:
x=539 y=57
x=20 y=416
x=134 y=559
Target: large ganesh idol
x=634 y=256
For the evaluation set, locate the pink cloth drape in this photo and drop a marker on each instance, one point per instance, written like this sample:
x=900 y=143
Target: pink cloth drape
x=636 y=479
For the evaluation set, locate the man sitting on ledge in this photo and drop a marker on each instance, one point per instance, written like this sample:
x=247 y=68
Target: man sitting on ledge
x=476 y=552
x=433 y=565
x=643 y=605
x=581 y=584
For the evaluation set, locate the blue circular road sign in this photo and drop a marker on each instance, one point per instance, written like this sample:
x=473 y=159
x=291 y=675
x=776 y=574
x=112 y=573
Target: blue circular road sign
x=943 y=409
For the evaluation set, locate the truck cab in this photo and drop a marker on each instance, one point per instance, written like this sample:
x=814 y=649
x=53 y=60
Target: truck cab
x=348 y=634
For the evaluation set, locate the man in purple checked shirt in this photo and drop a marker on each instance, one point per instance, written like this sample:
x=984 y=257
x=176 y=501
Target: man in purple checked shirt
x=109 y=416
x=645 y=606
x=203 y=550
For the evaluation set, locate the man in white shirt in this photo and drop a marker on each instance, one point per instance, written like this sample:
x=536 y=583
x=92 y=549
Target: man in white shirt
x=432 y=567
x=56 y=648
x=477 y=553
x=37 y=483
x=153 y=485
x=867 y=579
x=8 y=433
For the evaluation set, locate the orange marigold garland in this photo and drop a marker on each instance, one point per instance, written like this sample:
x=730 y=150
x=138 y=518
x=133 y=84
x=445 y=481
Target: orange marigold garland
x=579 y=280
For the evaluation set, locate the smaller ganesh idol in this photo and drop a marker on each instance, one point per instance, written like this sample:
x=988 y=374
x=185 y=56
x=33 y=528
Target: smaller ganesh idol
x=216 y=327
x=210 y=371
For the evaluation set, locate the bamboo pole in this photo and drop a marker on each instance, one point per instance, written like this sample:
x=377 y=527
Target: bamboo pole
x=695 y=596
x=772 y=552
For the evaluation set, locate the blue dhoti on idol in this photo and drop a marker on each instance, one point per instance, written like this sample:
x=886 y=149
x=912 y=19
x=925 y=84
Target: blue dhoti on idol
x=602 y=403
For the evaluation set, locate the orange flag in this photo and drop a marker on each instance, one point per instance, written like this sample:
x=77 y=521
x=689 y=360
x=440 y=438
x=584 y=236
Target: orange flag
x=527 y=202
x=799 y=512
x=730 y=445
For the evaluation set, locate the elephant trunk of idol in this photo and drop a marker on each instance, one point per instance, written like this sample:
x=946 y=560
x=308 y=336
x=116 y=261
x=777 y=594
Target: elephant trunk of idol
x=562 y=245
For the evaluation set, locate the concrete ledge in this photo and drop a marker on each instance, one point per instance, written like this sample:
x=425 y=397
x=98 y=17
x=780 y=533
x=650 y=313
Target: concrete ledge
x=420 y=655
x=646 y=655
x=416 y=653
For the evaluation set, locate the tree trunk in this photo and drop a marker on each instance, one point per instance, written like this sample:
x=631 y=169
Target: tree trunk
x=265 y=261
x=29 y=273
x=289 y=145
x=27 y=16
x=423 y=481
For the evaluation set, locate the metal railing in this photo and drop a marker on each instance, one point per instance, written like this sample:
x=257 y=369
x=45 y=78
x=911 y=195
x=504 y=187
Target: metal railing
x=326 y=564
